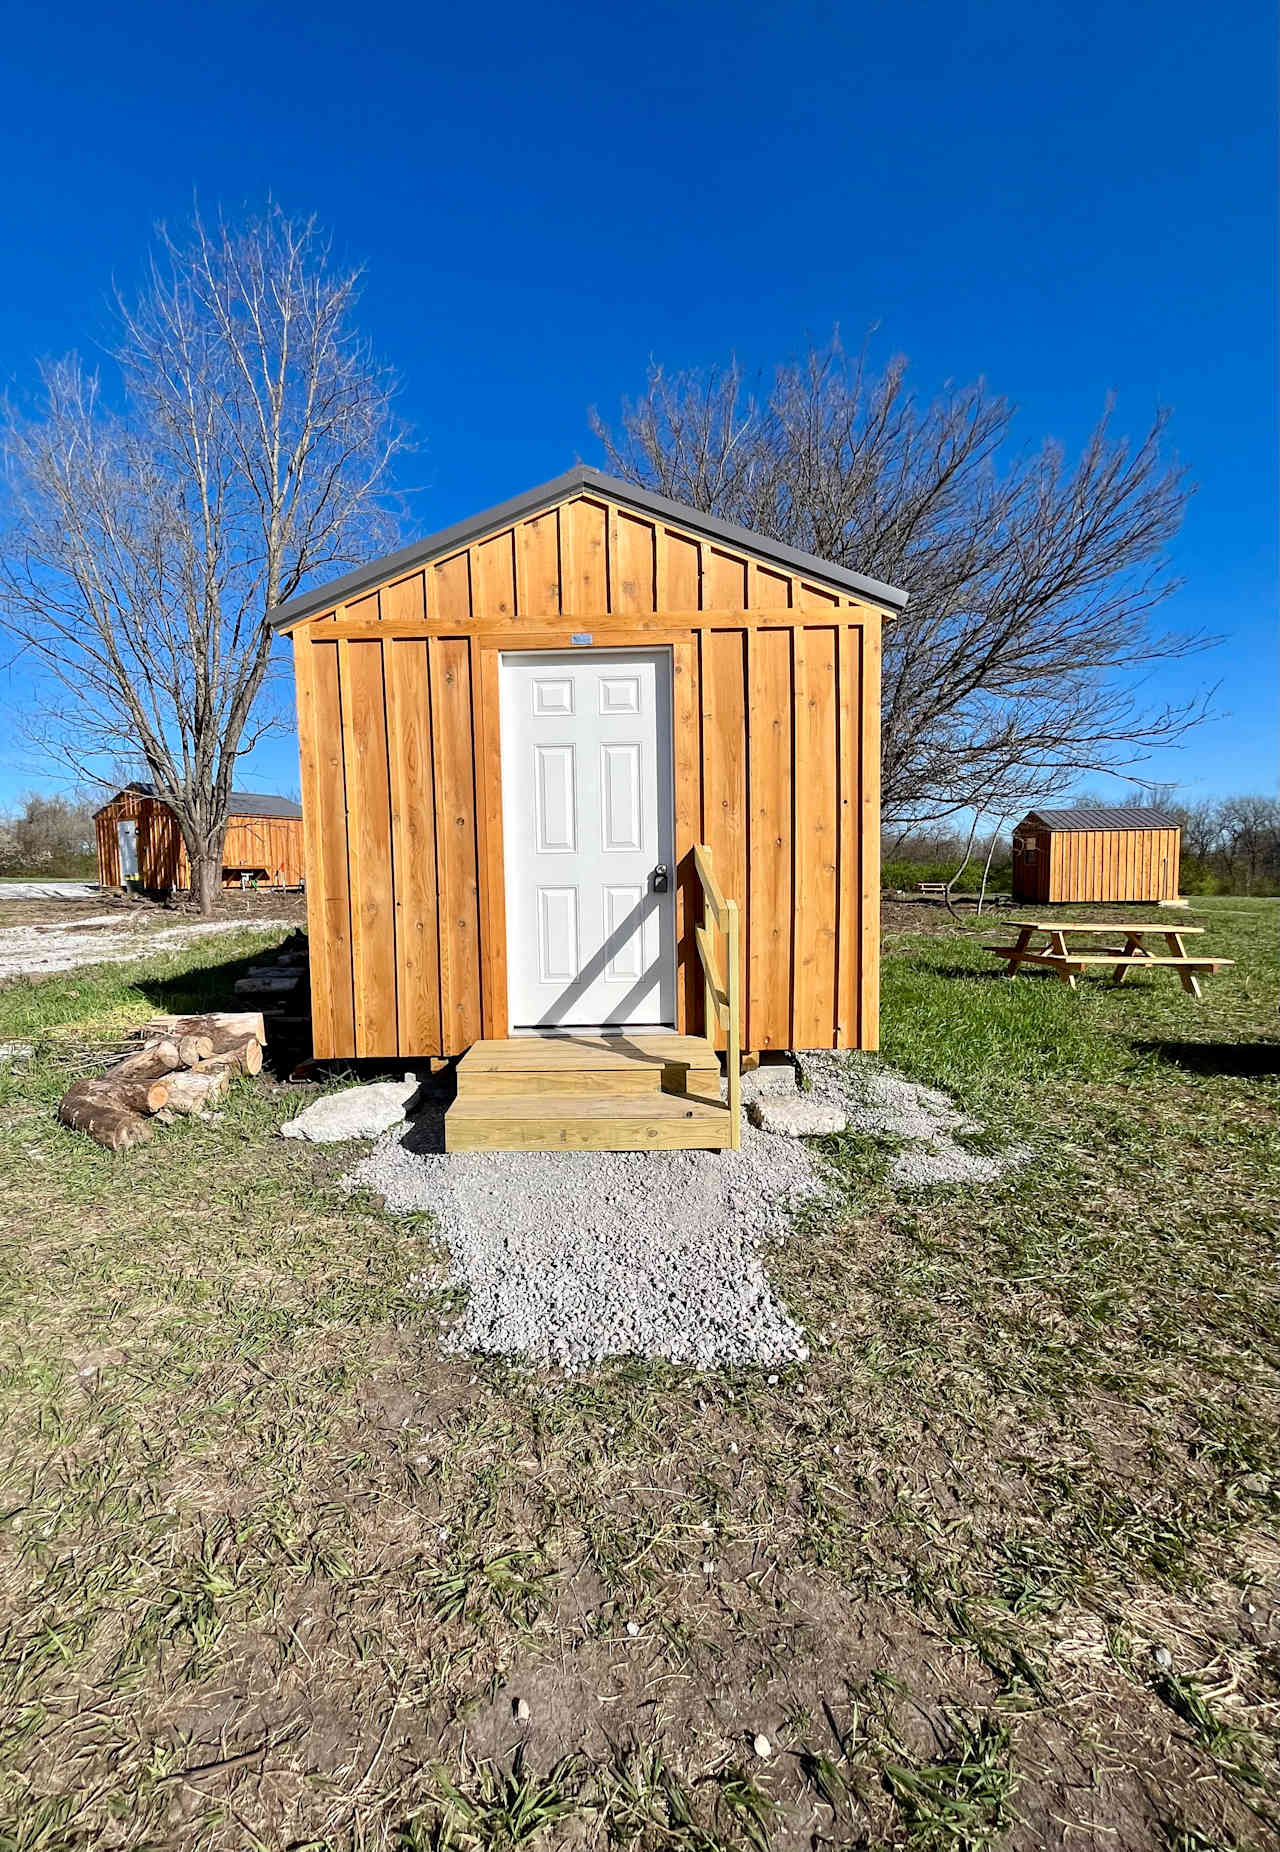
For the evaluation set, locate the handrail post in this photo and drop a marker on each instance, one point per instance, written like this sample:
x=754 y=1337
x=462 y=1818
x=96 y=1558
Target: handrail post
x=721 y=995
x=709 y=1012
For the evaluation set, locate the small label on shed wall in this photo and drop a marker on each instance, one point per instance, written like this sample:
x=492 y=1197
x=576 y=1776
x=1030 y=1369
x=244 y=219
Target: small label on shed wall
x=580 y=636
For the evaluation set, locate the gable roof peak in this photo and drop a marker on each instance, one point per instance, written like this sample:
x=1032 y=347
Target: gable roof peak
x=581 y=479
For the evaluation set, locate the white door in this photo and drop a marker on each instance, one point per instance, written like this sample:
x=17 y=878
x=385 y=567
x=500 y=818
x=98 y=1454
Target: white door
x=127 y=837
x=588 y=839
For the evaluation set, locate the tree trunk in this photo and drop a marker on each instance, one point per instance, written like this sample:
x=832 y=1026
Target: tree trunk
x=206 y=879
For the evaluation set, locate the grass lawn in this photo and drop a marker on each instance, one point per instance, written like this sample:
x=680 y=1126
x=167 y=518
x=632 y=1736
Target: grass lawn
x=999 y=1566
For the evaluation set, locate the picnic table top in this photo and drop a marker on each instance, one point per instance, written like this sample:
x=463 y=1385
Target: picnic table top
x=1135 y=926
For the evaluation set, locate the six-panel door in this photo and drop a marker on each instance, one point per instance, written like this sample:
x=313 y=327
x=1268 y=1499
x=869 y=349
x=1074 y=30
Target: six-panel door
x=589 y=838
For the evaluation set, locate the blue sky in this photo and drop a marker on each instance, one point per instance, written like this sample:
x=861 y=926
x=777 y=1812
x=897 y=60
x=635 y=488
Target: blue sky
x=1072 y=200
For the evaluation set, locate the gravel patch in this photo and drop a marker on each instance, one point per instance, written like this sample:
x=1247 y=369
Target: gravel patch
x=879 y=1102
x=103 y=939
x=570 y=1257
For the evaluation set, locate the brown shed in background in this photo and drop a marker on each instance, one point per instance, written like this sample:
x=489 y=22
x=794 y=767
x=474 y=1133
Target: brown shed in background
x=466 y=709
x=1096 y=854
x=139 y=839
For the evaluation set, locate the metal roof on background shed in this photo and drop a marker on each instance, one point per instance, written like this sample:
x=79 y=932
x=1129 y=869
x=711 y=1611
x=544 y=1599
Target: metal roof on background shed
x=546 y=495
x=1098 y=817
x=243 y=803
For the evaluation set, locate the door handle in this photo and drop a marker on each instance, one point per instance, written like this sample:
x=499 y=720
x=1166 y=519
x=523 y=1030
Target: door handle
x=661 y=878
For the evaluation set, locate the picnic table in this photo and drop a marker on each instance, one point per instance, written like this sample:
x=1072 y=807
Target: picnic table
x=1070 y=962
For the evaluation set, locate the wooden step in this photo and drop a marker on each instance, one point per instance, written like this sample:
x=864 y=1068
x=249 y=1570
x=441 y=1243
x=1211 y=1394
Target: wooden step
x=634 y=1081
x=613 y=1064
x=586 y=1122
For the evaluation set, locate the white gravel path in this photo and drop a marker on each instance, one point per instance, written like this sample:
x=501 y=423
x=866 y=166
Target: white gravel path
x=569 y=1257
x=39 y=951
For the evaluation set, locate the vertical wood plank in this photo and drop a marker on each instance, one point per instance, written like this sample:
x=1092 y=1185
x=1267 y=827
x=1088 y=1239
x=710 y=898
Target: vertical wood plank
x=590 y=586
x=724 y=581
x=406 y=601
x=451 y=720
x=494 y=578
x=331 y=873
x=611 y=557
x=725 y=761
x=451 y=588
x=681 y=572
x=848 y=858
x=485 y=672
x=817 y=838
x=768 y=915
x=869 y=949
x=413 y=837
x=688 y=808
x=369 y=809
x=538 y=544
x=634 y=572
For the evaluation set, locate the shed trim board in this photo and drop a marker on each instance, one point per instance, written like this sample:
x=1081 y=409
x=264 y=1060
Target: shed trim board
x=774 y=757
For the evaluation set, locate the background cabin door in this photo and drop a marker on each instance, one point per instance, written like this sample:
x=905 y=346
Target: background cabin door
x=127 y=838
x=589 y=838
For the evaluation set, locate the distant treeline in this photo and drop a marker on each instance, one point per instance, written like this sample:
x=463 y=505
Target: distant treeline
x=49 y=837
x=1230 y=845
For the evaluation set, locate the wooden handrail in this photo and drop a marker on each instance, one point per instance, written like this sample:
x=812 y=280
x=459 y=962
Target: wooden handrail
x=714 y=900
x=720 y=984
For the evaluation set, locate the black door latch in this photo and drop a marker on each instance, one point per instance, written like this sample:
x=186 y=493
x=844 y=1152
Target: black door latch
x=661 y=878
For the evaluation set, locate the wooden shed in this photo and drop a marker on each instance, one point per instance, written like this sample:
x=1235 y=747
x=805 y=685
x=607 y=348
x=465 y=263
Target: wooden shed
x=542 y=748
x=1128 y=853
x=139 y=839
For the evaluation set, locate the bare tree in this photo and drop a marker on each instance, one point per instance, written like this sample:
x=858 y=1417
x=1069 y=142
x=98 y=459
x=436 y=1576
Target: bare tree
x=148 y=540
x=1250 y=834
x=1201 y=824
x=1018 y=662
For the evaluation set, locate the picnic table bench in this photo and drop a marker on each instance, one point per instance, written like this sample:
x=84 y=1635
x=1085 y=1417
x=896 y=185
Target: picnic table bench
x=1134 y=954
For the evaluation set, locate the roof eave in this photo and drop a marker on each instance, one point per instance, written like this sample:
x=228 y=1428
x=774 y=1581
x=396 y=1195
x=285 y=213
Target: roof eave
x=520 y=507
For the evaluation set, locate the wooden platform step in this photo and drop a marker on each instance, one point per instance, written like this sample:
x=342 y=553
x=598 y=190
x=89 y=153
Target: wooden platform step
x=588 y=1092
x=586 y=1122
x=576 y=1064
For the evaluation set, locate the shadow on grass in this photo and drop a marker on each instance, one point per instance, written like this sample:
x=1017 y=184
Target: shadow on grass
x=1241 y=1060
x=206 y=989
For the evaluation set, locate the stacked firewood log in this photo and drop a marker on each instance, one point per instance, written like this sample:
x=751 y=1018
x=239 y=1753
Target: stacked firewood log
x=186 y=1065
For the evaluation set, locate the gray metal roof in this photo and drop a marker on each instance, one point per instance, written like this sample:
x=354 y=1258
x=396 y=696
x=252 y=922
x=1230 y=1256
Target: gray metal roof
x=1100 y=817
x=243 y=803
x=450 y=539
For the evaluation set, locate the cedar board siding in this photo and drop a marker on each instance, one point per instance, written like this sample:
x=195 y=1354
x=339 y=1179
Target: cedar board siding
x=273 y=843
x=776 y=739
x=1100 y=865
